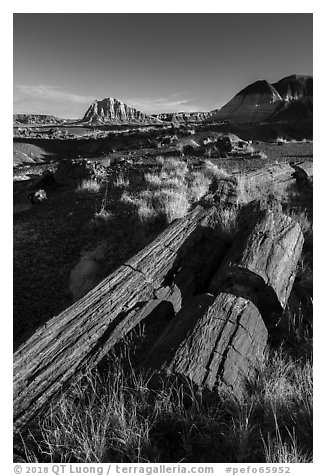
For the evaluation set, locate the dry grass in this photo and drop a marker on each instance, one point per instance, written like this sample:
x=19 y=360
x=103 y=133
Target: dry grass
x=198 y=185
x=101 y=220
x=121 y=418
x=166 y=195
x=121 y=181
x=89 y=185
x=172 y=189
x=226 y=220
x=212 y=170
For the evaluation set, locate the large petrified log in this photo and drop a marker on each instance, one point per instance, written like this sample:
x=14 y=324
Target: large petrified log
x=264 y=181
x=277 y=176
x=262 y=261
x=81 y=335
x=280 y=176
x=218 y=341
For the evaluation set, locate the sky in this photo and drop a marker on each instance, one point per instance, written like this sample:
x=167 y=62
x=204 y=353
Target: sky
x=154 y=62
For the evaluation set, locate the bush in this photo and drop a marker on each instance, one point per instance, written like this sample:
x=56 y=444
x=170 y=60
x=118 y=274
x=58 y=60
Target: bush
x=224 y=144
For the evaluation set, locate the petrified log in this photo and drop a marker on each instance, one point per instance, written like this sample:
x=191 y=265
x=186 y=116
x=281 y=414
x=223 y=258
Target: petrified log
x=220 y=342
x=303 y=172
x=280 y=176
x=261 y=263
x=224 y=191
x=213 y=342
x=81 y=335
x=274 y=177
x=277 y=175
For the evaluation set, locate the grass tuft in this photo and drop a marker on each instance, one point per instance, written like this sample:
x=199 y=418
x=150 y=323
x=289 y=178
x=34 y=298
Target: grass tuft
x=121 y=181
x=90 y=185
x=118 y=416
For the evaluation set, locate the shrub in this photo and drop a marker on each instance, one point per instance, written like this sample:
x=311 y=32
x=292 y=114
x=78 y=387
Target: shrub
x=249 y=149
x=188 y=150
x=224 y=144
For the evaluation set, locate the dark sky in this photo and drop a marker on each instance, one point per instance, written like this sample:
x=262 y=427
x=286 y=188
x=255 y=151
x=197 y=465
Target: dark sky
x=154 y=62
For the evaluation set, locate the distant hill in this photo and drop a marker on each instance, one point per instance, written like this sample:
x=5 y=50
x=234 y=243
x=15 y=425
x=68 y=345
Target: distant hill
x=30 y=119
x=291 y=111
x=289 y=99
x=295 y=87
x=184 y=117
x=113 y=111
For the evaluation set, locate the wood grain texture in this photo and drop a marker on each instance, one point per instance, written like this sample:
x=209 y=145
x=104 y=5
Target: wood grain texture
x=81 y=335
x=217 y=341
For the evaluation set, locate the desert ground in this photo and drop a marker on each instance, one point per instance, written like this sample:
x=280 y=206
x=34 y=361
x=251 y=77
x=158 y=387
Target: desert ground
x=167 y=209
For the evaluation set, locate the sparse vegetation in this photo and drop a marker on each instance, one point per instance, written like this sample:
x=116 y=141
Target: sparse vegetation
x=172 y=190
x=121 y=181
x=89 y=185
x=116 y=414
x=212 y=170
x=120 y=417
x=101 y=220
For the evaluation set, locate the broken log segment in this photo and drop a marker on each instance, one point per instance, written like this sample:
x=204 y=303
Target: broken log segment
x=303 y=171
x=218 y=342
x=81 y=335
x=215 y=342
x=261 y=264
x=279 y=175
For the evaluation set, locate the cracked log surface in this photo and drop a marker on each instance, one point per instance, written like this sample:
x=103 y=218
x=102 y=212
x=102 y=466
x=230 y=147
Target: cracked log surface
x=280 y=176
x=224 y=191
x=261 y=264
x=218 y=337
x=81 y=335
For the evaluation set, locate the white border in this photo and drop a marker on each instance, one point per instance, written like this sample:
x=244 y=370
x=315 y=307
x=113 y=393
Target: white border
x=169 y=6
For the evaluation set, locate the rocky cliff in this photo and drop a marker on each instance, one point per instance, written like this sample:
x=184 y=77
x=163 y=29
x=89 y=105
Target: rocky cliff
x=111 y=110
x=36 y=119
x=185 y=117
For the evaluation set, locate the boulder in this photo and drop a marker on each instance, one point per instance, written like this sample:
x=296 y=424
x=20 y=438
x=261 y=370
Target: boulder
x=37 y=196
